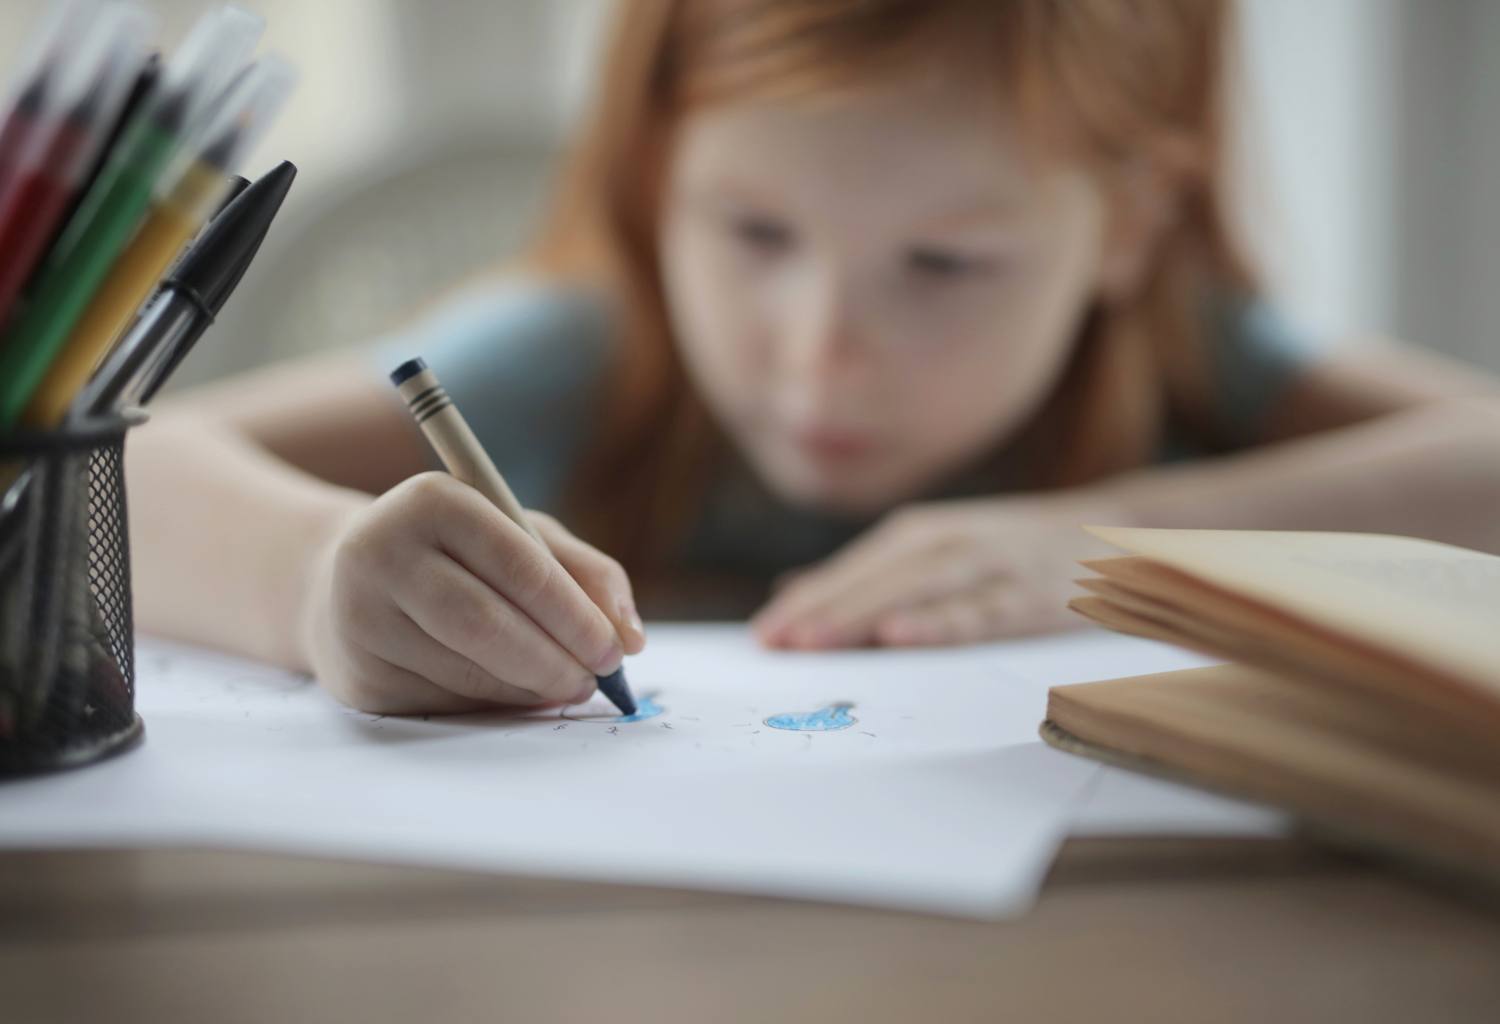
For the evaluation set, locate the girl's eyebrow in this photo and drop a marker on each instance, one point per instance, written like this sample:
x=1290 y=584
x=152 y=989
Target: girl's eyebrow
x=976 y=211
x=967 y=214
x=727 y=190
x=982 y=213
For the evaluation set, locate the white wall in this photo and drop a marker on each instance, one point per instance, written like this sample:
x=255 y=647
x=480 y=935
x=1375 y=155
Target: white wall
x=1447 y=245
x=1319 y=157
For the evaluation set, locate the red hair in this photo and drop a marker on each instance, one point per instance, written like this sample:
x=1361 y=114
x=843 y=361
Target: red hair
x=1109 y=82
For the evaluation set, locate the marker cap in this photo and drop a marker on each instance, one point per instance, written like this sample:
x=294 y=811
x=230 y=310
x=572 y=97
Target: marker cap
x=235 y=124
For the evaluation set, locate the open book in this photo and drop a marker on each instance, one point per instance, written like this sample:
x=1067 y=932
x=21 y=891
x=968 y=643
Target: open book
x=1364 y=693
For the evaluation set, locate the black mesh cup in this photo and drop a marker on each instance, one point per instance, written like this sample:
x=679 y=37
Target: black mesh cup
x=67 y=644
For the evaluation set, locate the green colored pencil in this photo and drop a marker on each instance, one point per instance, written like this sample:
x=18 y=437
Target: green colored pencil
x=83 y=255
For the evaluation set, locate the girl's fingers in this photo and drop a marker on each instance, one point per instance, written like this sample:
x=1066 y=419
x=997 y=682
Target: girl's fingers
x=871 y=557
x=376 y=686
x=785 y=579
x=849 y=614
x=503 y=556
x=823 y=608
x=989 y=612
x=405 y=646
x=797 y=616
x=794 y=604
x=835 y=604
x=602 y=578
x=463 y=614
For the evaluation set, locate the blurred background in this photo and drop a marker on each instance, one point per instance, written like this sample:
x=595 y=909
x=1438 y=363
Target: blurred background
x=427 y=130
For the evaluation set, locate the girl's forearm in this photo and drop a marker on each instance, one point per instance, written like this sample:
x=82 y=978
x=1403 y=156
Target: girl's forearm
x=1433 y=471
x=224 y=537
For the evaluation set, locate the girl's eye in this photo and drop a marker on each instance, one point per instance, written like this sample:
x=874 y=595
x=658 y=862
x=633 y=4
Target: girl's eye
x=943 y=264
x=762 y=234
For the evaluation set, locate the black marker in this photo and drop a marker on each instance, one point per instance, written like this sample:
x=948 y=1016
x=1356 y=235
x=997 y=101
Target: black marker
x=188 y=300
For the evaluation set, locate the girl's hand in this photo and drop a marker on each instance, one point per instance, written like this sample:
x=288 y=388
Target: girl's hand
x=944 y=573
x=431 y=600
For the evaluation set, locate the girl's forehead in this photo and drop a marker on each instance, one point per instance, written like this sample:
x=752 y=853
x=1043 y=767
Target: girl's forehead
x=919 y=151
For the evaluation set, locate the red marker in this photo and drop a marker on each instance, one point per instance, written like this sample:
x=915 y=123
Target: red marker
x=20 y=125
x=75 y=116
x=30 y=103
x=31 y=208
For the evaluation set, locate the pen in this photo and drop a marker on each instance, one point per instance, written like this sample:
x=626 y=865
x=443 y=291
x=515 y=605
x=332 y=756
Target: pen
x=237 y=185
x=465 y=458
x=189 y=299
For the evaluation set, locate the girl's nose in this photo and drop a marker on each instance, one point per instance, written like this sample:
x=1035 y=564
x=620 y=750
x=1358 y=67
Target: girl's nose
x=822 y=350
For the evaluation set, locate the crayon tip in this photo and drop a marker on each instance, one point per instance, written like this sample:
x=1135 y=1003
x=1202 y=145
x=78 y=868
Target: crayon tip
x=407 y=370
x=617 y=690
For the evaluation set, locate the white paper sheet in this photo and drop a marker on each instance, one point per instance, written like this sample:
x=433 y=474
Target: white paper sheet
x=1121 y=803
x=924 y=788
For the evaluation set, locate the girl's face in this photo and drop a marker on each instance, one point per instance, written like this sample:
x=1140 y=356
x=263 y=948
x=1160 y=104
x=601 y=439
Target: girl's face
x=873 y=292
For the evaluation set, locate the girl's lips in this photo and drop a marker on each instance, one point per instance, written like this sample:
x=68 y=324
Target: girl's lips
x=836 y=444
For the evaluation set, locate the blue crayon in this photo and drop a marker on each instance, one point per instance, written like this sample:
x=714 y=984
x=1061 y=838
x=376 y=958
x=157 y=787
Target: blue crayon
x=617 y=690
x=467 y=461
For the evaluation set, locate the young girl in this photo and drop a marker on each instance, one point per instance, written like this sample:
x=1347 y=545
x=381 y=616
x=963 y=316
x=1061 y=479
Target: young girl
x=865 y=305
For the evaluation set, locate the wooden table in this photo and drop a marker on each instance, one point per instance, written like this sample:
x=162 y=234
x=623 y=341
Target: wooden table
x=1196 y=931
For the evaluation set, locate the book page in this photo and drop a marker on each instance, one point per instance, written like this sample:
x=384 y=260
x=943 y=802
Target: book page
x=1432 y=602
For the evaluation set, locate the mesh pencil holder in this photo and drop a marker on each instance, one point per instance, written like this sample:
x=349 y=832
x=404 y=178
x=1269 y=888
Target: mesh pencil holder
x=67 y=645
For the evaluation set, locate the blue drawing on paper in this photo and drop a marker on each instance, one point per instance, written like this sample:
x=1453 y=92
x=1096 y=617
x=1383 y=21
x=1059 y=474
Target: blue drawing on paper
x=828 y=719
x=645 y=707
